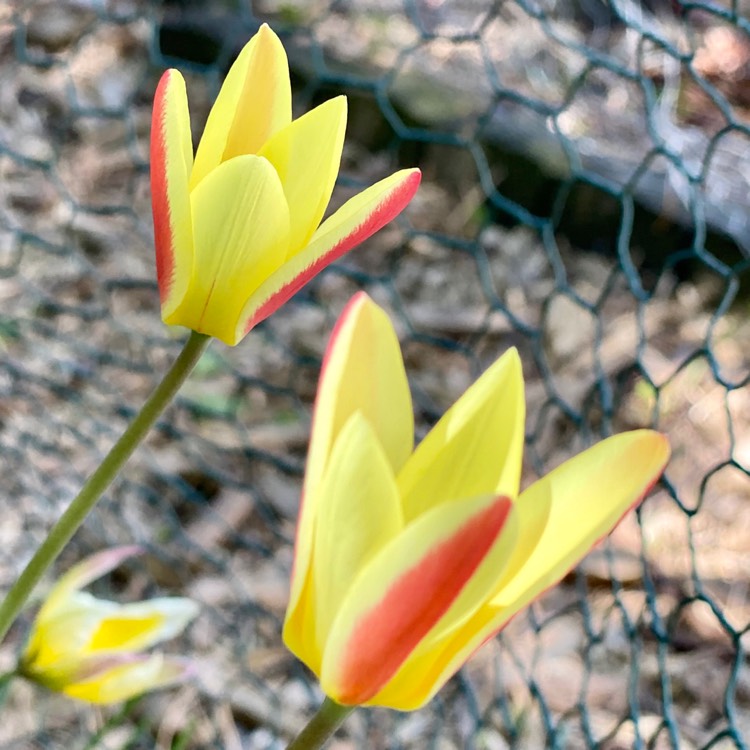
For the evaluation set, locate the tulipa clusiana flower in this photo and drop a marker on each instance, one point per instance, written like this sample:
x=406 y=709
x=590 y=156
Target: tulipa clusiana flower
x=91 y=649
x=237 y=233
x=238 y=229
x=407 y=560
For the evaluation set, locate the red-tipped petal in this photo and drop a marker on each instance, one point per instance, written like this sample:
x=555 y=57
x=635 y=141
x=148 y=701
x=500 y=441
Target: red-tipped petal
x=353 y=223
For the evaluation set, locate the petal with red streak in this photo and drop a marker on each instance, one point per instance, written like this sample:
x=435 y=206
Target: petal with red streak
x=171 y=162
x=406 y=590
x=358 y=513
x=437 y=658
x=354 y=222
x=561 y=517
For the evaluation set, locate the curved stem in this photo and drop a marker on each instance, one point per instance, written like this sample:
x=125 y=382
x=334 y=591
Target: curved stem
x=98 y=482
x=325 y=722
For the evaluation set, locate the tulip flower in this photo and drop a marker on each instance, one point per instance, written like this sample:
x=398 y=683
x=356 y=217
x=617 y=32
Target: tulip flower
x=91 y=649
x=407 y=560
x=238 y=229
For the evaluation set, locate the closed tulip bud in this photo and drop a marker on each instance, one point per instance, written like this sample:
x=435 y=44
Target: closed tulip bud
x=92 y=649
x=238 y=229
x=407 y=560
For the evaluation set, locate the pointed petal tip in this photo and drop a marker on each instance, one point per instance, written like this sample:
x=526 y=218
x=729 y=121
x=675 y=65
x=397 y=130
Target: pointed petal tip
x=267 y=39
x=359 y=297
x=651 y=448
x=350 y=312
x=340 y=101
x=512 y=353
x=167 y=77
x=656 y=454
x=339 y=104
x=264 y=30
x=359 y=305
x=101 y=563
x=412 y=180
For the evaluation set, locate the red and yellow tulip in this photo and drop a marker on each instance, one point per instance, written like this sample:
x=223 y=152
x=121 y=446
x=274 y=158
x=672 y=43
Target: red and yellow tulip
x=407 y=560
x=91 y=649
x=238 y=229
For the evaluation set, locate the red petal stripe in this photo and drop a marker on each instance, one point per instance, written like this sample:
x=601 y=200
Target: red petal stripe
x=385 y=636
x=391 y=207
x=159 y=190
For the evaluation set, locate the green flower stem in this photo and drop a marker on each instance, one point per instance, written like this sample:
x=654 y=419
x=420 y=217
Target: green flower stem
x=5 y=679
x=325 y=722
x=98 y=482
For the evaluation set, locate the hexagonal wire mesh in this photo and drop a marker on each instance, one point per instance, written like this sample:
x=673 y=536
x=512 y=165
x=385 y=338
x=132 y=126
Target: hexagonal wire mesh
x=585 y=199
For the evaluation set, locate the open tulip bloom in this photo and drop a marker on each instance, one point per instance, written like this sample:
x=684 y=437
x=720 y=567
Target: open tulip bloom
x=91 y=649
x=406 y=559
x=238 y=229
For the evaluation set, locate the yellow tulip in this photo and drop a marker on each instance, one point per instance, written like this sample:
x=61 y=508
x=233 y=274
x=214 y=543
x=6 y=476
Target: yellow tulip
x=237 y=230
x=407 y=560
x=90 y=649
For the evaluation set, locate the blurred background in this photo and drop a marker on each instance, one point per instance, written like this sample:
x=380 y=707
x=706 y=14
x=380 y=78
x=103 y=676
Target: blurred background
x=585 y=198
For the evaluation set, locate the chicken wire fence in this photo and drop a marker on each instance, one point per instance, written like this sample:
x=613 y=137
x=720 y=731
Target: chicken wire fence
x=586 y=170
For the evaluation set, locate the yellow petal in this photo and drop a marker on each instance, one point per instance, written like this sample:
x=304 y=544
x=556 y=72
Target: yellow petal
x=85 y=626
x=405 y=591
x=132 y=677
x=573 y=507
x=362 y=372
x=171 y=162
x=353 y=223
x=307 y=154
x=138 y=626
x=438 y=658
x=589 y=494
x=477 y=446
x=241 y=230
x=358 y=513
x=57 y=641
x=255 y=102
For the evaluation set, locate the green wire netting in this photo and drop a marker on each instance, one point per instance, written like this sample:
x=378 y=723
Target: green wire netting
x=585 y=198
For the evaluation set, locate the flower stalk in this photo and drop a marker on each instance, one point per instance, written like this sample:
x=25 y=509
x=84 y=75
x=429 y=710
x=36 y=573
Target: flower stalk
x=326 y=721
x=92 y=490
